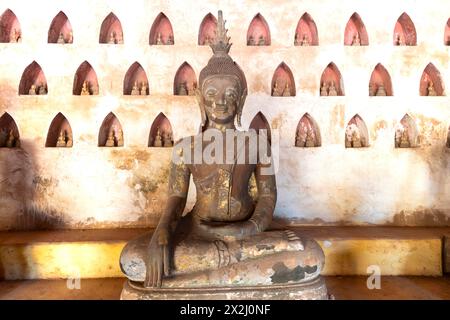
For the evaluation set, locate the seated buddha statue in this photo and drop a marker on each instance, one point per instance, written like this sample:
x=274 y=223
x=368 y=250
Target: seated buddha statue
x=224 y=243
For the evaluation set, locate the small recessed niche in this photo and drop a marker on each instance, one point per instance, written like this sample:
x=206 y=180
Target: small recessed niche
x=60 y=133
x=258 y=33
x=161 y=32
x=207 y=32
x=380 y=82
x=111 y=30
x=355 y=33
x=306 y=32
x=161 y=134
x=406 y=133
x=85 y=82
x=10 y=31
x=307 y=134
x=60 y=31
x=9 y=133
x=111 y=133
x=261 y=125
x=431 y=83
x=136 y=81
x=447 y=33
x=185 y=82
x=356 y=133
x=405 y=31
x=283 y=83
x=331 y=83
x=33 y=81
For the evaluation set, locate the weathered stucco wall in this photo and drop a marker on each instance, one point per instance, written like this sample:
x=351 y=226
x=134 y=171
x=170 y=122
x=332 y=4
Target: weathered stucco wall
x=87 y=186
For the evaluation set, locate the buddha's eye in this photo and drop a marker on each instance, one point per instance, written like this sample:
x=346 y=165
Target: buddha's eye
x=231 y=94
x=211 y=92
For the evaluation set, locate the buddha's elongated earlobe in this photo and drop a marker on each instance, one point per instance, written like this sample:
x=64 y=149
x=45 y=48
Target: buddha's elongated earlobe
x=241 y=106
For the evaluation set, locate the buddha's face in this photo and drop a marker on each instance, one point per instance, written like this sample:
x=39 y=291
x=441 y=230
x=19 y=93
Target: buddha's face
x=221 y=96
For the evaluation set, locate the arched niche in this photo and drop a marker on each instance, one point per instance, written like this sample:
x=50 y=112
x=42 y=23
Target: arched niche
x=111 y=132
x=111 y=30
x=283 y=83
x=207 y=31
x=60 y=30
x=355 y=33
x=259 y=123
x=33 y=81
x=447 y=33
x=161 y=134
x=306 y=32
x=10 y=31
x=258 y=33
x=405 y=31
x=9 y=133
x=85 y=81
x=307 y=134
x=60 y=133
x=356 y=133
x=136 y=81
x=431 y=83
x=331 y=83
x=161 y=32
x=406 y=133
x=380 y=83
x=185 y=81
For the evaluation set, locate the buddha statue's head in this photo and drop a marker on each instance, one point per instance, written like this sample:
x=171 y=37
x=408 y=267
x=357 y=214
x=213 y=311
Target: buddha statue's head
x=222 y=87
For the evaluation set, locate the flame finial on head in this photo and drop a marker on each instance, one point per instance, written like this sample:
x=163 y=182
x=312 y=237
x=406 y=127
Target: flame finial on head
x=221 y=43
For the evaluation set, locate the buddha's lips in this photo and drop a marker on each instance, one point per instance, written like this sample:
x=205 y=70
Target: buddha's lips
x=221 y=108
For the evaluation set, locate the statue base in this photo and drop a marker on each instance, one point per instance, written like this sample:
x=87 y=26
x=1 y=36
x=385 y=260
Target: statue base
x=311 y=290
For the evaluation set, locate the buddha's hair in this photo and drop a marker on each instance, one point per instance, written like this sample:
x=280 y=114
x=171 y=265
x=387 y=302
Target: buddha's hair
x=221 y=63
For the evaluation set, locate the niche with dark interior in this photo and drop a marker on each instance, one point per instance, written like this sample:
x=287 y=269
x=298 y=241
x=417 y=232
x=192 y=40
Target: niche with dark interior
x=356 y=133
x=10 y=31
x=380 y=82
x=404 y=31
x=185 y=81
x=207 y=31
x=447 y=33
x=60 y=133
x=431 y=83
x=161 y=32
x=111 y=132
x=9 y=133
x=283 y=83
x=111 y=30
x=136 y=81
x=355 y=33
x=259 y=123
x=406 y=133
x=60 y=30
x=331 y=83
x=306 y=32
x=258 y=33
x=33 y=81
x=161 y=134
x=85 y=81
x=307 y=134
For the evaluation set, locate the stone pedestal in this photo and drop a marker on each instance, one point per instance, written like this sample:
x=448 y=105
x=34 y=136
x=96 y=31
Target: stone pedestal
x=312 y=290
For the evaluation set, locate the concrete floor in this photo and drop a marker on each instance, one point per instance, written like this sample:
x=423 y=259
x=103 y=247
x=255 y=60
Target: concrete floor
x=342 y=288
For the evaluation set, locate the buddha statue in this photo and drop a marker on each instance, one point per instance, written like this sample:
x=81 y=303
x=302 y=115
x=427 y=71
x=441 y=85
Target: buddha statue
x=61 y=142
x=287 y=90
x=276 y=92
x=310 y=141
x=261 y=41
x=305 y=41
x=70 y=37
x=42 y=89
x=182 y=89
x=356 y=139
x=299 y=142
x=110 y=141
x=398 y=40
x=356 y=40
x=158 y=139
x=135 y=89
x=404 y=139
x=324 y=89
x=85 y=89
x=112 y=38
x=332 y=90
x=191 y=89
x=222 y=248
x=159 y=40
x=144 y=87
x=430 y=90
x=170 y=40
x=371 y=89
x=12 y=142
x=167 y=140
x=68 y=138
x=297 y=41
x=61 y=39
x=119 y=138
x=32 y=90
x=381 y=91
x=251 y=41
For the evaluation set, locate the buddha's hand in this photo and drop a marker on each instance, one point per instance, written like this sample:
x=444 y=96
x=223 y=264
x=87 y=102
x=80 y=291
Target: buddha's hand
x=158 y=257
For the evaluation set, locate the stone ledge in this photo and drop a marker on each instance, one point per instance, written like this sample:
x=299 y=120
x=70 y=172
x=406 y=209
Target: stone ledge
x=95 y=253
